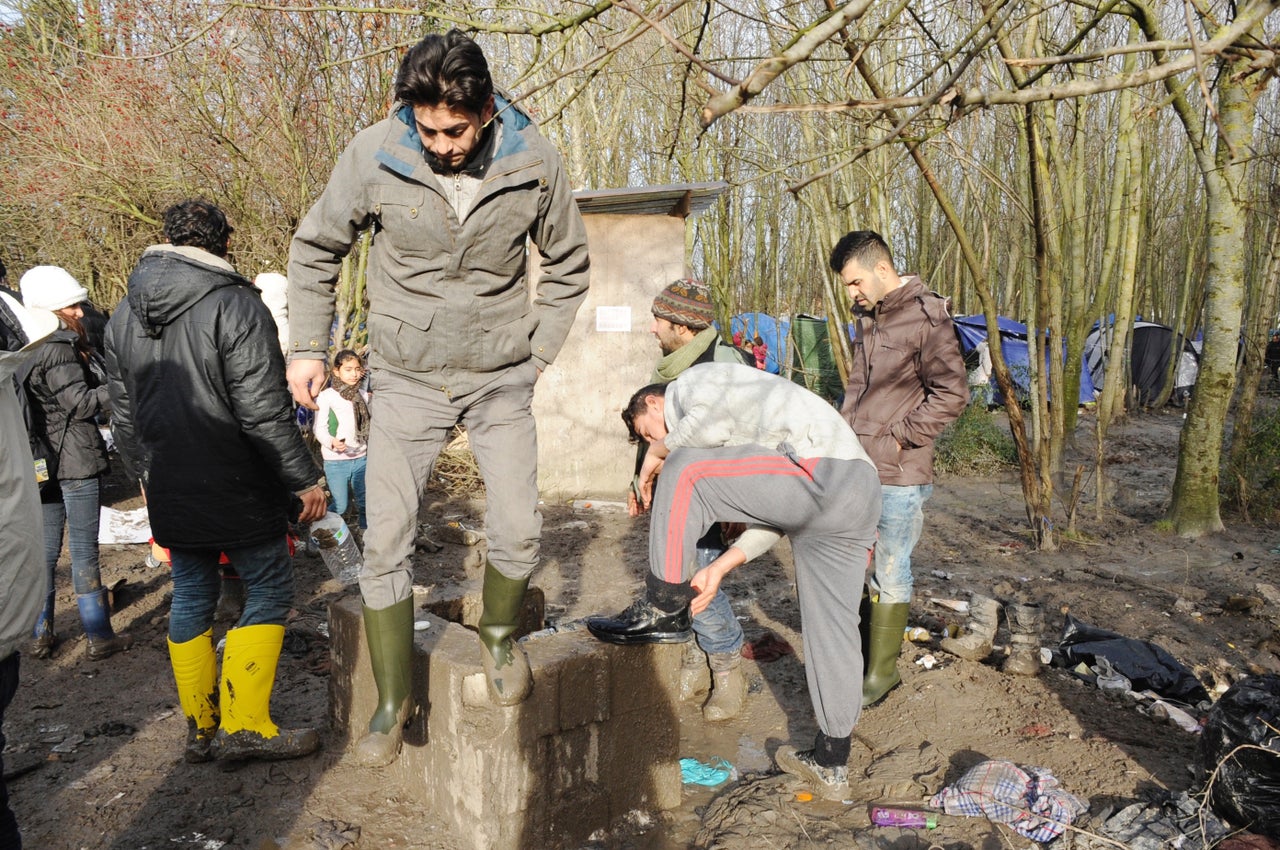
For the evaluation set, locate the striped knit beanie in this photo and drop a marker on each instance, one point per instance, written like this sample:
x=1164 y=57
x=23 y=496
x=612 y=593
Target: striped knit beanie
x=685 y=302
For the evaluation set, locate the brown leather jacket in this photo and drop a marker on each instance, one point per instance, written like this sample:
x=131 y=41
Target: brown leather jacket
x=907 y=382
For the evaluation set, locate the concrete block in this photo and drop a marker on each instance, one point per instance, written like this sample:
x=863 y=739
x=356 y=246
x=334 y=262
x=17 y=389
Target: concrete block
x=640 y=760
x=643 y=676
x=568 y=761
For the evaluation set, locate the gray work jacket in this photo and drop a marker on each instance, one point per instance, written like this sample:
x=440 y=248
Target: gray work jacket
x=449 y=298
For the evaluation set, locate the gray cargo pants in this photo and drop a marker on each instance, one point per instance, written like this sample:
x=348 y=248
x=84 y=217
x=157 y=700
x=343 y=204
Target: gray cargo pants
x=827 y=507
x=409 y=425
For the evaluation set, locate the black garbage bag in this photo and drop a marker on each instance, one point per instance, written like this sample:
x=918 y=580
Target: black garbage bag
x=1143 y=663
x=1246 y=790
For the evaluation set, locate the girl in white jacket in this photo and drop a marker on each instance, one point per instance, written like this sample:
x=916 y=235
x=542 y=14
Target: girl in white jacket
x=342 y=428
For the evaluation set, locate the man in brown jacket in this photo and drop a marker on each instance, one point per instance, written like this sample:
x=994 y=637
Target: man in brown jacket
x=907 y=384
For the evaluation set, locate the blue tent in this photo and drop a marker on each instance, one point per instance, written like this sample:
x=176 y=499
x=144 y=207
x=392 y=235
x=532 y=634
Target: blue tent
x=772 y=331
x=1013 y=344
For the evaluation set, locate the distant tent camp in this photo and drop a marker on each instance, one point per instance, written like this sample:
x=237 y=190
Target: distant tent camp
x=813 y=362
x=773 y=332
x=1149 y=352
x=1013 y=344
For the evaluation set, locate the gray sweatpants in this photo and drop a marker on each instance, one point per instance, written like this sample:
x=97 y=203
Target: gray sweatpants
x=828 y=508
x=409 y=424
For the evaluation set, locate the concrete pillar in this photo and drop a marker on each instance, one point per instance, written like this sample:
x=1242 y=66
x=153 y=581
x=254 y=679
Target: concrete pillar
x=596 y=739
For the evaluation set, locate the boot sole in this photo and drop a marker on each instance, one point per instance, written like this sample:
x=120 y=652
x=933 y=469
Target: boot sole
x=636 y=640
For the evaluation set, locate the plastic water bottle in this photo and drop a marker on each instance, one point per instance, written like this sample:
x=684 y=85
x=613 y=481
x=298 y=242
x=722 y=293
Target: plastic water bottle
x=337 y=547
x=910 y=818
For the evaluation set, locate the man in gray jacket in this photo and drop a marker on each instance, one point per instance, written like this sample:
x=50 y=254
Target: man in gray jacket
x=454 y=184
x=736 y=444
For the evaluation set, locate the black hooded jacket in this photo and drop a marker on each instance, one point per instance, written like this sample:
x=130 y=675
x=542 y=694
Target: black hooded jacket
x=201 y=413
x=68 y=397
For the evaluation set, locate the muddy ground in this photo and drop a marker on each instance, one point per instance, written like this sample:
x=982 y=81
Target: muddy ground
x=96 y=747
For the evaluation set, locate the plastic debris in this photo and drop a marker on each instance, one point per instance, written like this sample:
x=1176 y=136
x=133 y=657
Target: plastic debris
x=960 y=606
x=694 y=772
x=1241 y=742
x=928 y=662
x=1169 y=821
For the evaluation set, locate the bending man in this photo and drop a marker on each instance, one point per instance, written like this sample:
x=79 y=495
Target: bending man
x=735 y=444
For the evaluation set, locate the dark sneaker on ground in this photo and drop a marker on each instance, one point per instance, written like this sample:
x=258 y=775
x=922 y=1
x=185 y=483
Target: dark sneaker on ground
x=829 y=783
x=643 y=623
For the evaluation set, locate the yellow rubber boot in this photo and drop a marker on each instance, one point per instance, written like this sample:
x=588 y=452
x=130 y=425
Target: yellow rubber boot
x=248 y=675
x=195 y=672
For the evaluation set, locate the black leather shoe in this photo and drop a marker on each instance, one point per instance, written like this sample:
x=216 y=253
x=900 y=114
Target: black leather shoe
x=643 y=623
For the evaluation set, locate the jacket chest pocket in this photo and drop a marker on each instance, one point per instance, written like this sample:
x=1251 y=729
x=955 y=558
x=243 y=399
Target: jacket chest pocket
x=891 y=358
x=402 y=213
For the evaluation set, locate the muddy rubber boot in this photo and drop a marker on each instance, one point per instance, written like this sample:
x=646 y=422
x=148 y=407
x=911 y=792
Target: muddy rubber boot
x=728 y=686
x=695 y=677
x=195 y=672
x=95 y=616
x=43 y=640
x=888 y=623
x=979 y=632
x=390 y=635
x=230 y=599
x=249 y=663
x=1025 y=623
x=506 y=667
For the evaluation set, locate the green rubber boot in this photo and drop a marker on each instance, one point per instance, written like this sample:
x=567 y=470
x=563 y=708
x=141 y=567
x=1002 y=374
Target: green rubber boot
x=505 y=665
x=389 y=632
x=888 y=622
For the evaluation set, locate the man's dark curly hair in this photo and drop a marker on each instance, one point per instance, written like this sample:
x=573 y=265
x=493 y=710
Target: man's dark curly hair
x=199 y=224
x=447 y=69
x=636 y=406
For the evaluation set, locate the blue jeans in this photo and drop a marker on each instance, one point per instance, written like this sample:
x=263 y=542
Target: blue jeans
x=901 y=521
x=345 y=477
x=267 y=572
x=717 y=629
x=78 y=512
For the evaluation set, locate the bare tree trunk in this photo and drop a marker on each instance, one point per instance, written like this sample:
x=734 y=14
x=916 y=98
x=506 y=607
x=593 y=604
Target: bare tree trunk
x=1194 y=510
x=1258 y=316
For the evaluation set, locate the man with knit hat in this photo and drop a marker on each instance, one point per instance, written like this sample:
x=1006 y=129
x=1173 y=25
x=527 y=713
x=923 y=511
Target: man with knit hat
x=682 y=321
x=21 y=549
x=683 y=314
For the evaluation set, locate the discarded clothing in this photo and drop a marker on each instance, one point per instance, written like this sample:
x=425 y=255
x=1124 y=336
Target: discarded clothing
x=1170 y=821
x=1027 y=799
x=1147 y=666
x=768 y=648
x=694 y=772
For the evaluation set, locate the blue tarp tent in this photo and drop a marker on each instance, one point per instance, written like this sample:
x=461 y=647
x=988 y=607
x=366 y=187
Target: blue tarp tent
x=1013 y=344
x=772 y=331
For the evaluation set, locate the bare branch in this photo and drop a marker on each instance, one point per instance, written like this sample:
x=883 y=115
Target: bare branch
x=770 y=69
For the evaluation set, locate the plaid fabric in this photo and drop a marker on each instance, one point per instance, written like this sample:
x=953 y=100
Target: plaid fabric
x=1028 y=799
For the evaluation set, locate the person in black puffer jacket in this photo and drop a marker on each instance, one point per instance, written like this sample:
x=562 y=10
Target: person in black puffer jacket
x=66 y=397
x=203 y=421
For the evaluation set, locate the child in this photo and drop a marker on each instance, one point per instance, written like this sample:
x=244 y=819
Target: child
x=342 y=428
